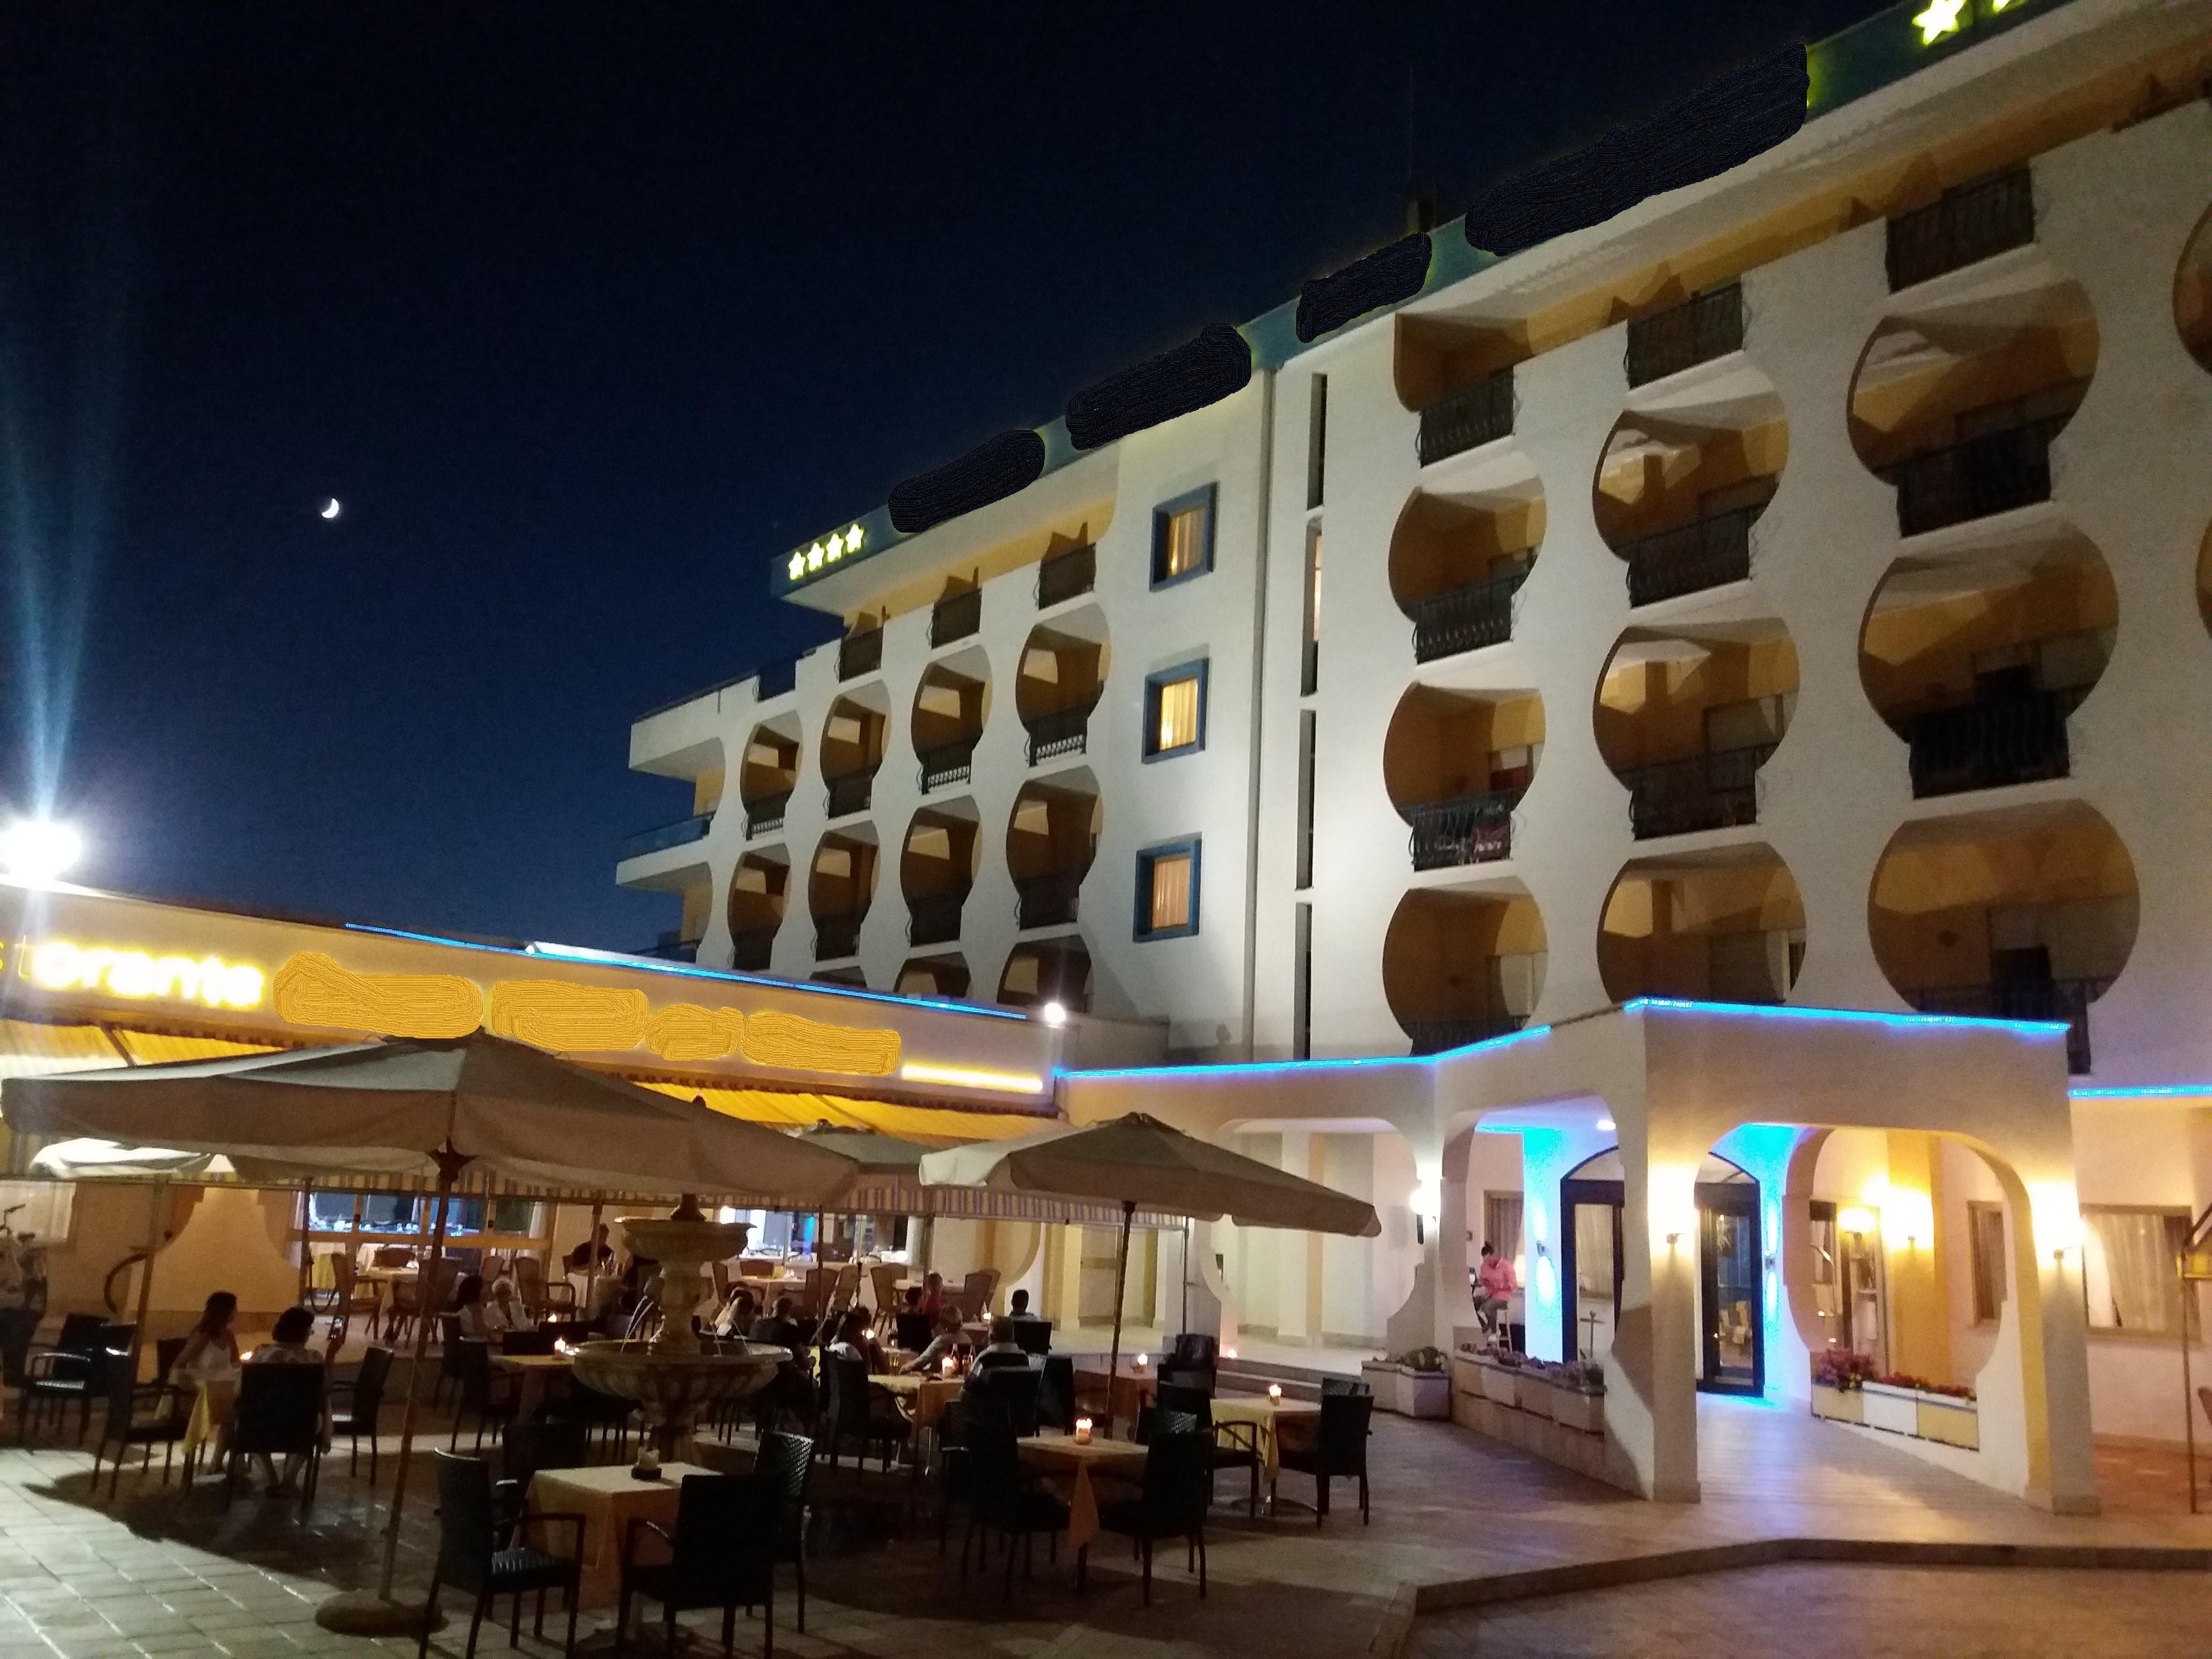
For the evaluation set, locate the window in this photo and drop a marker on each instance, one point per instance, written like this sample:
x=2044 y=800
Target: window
x=1302 y=988
x=1174 y=711
x=2128 y=1277
x=1316 y=441
x=1501 y=1226
x=1309 y=664
x=1167 y=890
x=45 y=1209
x=1306 y=725
x=1182 y=537
x=1985 y=1235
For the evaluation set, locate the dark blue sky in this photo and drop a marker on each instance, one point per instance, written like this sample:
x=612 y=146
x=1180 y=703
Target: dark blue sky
x=586 y=311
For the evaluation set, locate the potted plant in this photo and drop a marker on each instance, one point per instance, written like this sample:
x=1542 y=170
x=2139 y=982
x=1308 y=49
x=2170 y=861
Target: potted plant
x=1416 y=1383
x=1839 y=1379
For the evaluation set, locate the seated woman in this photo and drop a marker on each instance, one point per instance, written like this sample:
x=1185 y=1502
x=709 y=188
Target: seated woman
x=469 y=1306
x=854 y=1342
x=738 y=1314
x=949 y=1335
x=504 y=1311
x=287 y=1346
x=210 y=1352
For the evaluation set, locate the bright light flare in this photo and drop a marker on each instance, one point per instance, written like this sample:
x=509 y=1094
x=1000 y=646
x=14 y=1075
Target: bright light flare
x=39 y=850
x=1054 y=1014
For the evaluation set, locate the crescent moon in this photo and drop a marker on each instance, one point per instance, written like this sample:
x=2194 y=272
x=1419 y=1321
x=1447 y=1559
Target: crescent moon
x=333 y=509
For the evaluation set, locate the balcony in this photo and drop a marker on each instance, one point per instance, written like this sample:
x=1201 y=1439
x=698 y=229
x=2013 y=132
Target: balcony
x=673 y=946
x=1470 y=829
x=750 y=952
x=1699 y=330
x=1062 y=732
x=1988 y=745
x=1474 y=414
x=1466 y=618
x=1971 y=223
x=837 y=936
x=956 y=616
x=765 y=816
x=1704 y=553
x=1048 y=901
x=664 y=836
x=1714 y=791
x=934 y=920
x=1725 y=924
x=2056 y=1000
x=776 y=678
x=851 y=794
x=947 y=763
x=860 y=653
x=1064 y=574
x=1434 y=1036
x=1993 y=473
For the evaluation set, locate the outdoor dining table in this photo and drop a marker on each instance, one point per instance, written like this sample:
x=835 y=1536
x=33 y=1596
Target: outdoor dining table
x=536 y=1371
x=1271 y=1418
x=924 y=1397
x=1133 y=1388
x=608 y=1498
x=1124 y=1459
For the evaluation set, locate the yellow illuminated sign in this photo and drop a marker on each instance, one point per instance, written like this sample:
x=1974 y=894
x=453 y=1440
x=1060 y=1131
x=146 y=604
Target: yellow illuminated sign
x=967 y=1076
x=827 y=551
x=791 y=1043
x=554 y=1014
x=1941 y=18
x=312 y=989
x=59 y=964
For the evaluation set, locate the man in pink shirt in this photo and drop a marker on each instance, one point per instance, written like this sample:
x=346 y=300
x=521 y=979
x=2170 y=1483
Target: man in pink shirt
x=1495 y=1279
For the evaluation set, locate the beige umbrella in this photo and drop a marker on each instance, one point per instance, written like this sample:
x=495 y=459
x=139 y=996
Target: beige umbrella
x=399 y=1107
x=1139 y=1162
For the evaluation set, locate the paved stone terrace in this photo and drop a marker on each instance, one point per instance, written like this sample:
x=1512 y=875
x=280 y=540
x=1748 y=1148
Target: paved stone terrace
x=161 y=1573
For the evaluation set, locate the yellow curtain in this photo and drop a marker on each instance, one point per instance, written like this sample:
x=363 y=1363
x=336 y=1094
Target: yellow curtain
x=1171 y=892
x=1178 y=714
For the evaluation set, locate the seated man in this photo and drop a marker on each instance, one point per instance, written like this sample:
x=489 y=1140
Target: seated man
x=1034 y=1334
x=1002 y=1349
x=950 y=1336
x=1494 y=1287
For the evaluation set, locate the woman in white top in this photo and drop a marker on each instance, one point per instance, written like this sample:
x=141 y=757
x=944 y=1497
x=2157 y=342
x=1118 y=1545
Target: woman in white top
x=504 y=1311
x=468 y=1308
x=210 y=1353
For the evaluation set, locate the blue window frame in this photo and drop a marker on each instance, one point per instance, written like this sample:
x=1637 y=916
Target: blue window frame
x=1167 y=890
x=1174 y=711
x=1182 y=537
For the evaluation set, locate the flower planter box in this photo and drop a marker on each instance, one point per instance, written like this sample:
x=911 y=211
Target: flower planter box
x=1953 y=1421
x=1897 y=1410
x=1407 y=1392
x=1502 y=1385
x=1573 y=1409
x=1534 y=1395
x=1838 y=1405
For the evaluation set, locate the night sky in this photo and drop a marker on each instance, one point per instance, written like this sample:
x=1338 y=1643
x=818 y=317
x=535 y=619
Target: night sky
x=584 y=312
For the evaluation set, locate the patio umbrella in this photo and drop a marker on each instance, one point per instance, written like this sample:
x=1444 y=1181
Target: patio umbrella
x=1139 y=1162
x=400 y=1107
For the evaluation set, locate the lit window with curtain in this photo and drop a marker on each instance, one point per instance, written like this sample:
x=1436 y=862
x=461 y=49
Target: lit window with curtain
x=1174 y=711
x=2129 y=1277
x=1167 y=891
x=1182 y=537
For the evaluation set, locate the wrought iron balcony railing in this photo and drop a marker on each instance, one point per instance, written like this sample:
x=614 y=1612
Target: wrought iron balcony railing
x=1467 y=829
x=1691 y=557
x=837 y=936
x=673 y=946
x=851 y=792
x=860 y=653
x=1047 y=901
x=1064 y=574
x=1973 y=223
x=750 y=952
x=956 y=616
x=935 y=920
x=1458 y=421
x=1995 y=472
x=947 y=763
x=661 y=837
x=1466 y=618
x=1702 y=327
x=1062 y=732
x=1714 y=791
x=1433 y=1037
x=764 y=815
x=1988 y=745
x=2057 y=1001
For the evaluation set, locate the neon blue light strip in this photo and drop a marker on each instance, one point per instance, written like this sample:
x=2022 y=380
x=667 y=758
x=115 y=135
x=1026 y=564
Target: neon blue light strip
x=2146 y=1092
x=692 y=970
x=1864 y=1015
x=1279 y=1067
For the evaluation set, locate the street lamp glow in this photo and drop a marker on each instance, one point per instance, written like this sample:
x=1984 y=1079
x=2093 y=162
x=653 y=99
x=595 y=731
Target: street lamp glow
x=38 y=849
x=1054 y=1014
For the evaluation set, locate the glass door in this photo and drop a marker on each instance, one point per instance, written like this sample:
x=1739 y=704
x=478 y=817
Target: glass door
x=1729 y=1293
x=1592 y=1268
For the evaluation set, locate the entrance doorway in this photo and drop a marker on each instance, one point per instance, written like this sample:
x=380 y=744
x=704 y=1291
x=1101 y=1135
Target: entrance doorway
x=1731 y=1269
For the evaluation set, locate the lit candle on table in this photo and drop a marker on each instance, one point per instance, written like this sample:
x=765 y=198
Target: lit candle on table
x=1228 y=1353
x=1275 y=1393
x=944 y=1366
x=1082 y=1430
x=1143 y=1360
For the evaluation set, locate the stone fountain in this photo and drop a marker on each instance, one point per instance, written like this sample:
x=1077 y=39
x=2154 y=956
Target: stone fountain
x=673 y=1375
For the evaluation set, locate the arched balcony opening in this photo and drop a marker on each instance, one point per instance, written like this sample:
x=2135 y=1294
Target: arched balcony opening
x=854 y=735
x=839 y=889
x=1958 y=397
x=1686 y=716
x=1042 y=970
x=950 y=704
x=759 y=894
x=937 y=870
x=1458 y=374
x=1723 y=926
x=2192 y=292
x=1463 y=966
x=2022 y=913
x=1978 y=659
x=768 y=773
x=1458 y=558
x=1685 y=475
x=945 y=977
x=1052 y=837
x=1062 y=677
x=1456 y=765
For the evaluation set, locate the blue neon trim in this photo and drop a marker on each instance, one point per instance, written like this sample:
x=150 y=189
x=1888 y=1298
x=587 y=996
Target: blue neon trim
x=690 y=970
x=2144 y=1092
x=1274 y=1067
x=1769 y=1011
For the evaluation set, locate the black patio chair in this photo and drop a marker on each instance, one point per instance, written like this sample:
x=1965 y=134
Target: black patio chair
x=1178 y=1489
x=1003 y=1399
x=1056 y=1393
x=472 y=1560
x=786 y=1463
x=524 y=1449
x=853 y=1411
x=148 y=1414
x=1192 y=1362
x=1338 y=1452
x=1236 y=1445
x=608 y=1414
x=450 y=1359
x=1034 y=1335
x=166 y=1352
x=1003 y=1498
x=721 y=1555
x=487 y=1396
x=66 y=1373
x=279 y=1414
x=1330 y=1385
x=355 y=1403
x=914 y=1330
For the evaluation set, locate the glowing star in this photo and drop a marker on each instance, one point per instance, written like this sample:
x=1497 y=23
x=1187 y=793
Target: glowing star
x=1941 y=18
x=814 y=557
x=853 y=539
x=333 y=509
x=798 y=566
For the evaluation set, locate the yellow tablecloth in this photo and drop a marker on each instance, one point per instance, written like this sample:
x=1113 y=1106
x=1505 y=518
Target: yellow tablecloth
x=211 y=1409
x=609 y=1500
x=1270 y=1417
x=926 y=1397
x=536 y=1370
x=1063 y=1452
